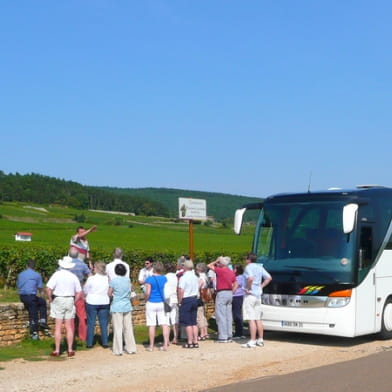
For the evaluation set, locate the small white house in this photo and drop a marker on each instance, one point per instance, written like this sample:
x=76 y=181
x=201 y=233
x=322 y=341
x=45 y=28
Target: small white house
x=23 y=236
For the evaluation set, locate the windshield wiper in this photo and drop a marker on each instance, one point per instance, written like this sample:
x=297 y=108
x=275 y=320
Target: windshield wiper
x=303 y=267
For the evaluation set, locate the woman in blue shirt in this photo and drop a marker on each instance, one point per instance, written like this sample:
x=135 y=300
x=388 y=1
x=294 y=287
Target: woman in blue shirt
x=155 y=312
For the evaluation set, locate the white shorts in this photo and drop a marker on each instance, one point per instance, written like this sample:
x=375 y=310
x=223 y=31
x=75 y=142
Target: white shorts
x=251 y=308
x=173 y=315
x=63 y=308
x=155 y=314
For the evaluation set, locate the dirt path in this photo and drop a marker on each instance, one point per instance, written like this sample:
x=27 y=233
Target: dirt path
x=180 y=370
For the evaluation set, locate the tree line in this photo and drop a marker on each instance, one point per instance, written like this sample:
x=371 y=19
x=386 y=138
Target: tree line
x=37 y=188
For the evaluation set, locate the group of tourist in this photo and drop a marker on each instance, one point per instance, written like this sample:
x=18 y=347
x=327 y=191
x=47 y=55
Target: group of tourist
x=238 y=298
x=172 y=295
x=175 y=296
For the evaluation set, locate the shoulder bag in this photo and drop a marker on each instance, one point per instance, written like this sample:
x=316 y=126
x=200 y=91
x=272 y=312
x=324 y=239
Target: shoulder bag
x=166 y=306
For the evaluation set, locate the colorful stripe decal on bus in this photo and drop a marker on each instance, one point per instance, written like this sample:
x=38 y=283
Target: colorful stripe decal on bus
x=310 y=290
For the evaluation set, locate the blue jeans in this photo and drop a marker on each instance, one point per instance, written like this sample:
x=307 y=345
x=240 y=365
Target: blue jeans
x=237 y=315
x=102 y=311
x=36 y=306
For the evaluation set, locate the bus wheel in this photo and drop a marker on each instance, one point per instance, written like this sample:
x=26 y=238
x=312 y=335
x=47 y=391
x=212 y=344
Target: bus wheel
x=386 y=322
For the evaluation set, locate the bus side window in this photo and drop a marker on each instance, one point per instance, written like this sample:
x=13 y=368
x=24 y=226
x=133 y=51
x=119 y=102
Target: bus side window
x=365 y=249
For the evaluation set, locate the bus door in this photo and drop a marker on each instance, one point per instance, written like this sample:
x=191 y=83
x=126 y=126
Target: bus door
x=366 y=289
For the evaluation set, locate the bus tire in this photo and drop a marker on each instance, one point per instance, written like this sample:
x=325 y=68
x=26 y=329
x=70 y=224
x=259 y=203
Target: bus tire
x=386 y=321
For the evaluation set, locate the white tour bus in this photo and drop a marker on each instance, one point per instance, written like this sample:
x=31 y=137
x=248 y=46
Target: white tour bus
x=330 y=257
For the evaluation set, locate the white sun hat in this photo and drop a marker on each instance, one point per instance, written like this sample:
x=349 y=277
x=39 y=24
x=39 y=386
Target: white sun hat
x=66 y=262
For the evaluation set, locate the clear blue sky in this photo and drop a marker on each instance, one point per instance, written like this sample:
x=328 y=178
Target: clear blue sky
x=241 y=97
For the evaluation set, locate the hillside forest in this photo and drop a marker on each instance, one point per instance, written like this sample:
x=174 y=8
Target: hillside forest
x=40 y=189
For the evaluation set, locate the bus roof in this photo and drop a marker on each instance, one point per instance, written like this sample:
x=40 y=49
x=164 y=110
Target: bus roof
x=364 y=191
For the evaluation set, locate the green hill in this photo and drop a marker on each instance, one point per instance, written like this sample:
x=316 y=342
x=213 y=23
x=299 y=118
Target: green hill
x=220 y=206
x=36 y=188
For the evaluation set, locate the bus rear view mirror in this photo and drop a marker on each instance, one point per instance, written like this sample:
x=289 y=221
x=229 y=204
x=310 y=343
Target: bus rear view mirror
x=238 y=218
x=349 y=217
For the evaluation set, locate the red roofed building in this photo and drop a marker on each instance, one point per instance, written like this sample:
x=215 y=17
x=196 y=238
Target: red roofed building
x=23 y=236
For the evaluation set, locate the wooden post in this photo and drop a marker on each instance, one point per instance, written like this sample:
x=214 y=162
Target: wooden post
x=191 y=239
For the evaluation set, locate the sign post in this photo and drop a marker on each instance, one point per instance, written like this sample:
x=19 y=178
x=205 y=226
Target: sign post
x=191 y=248
x=190 y=210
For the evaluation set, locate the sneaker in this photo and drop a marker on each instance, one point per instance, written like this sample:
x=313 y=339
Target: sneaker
x=221 y=341
x=44 y=326
x=237 y=337
x=250 y=344
x=34 y=336
x=260 y=342
x=229 y=340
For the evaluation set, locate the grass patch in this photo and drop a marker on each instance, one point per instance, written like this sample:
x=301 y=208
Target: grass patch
x=141 y=334
x=9 y=295
x=148 y=233
x=30 y=350
x=34 y=350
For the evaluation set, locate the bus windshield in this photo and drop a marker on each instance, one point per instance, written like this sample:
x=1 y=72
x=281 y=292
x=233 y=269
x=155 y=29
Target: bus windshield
x=305 y=241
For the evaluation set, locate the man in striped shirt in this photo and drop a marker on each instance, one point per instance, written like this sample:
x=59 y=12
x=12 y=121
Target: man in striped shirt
x=80 y=243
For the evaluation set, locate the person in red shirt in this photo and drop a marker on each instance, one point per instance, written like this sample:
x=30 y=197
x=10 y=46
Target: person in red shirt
x=226 y=284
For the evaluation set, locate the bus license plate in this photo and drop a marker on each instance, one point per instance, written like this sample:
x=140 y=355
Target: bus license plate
x=292 y=324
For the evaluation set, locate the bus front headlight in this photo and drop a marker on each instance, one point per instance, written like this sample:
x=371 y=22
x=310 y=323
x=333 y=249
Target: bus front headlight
x=337 y=302
x=338 y=299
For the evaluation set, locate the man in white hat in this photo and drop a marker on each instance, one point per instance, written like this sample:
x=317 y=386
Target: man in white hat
x=63 y=290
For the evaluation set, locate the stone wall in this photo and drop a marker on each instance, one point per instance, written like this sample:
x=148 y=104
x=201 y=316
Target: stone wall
x=14 y=321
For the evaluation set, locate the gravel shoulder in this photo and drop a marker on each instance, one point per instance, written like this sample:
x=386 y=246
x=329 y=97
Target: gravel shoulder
x=179 y=369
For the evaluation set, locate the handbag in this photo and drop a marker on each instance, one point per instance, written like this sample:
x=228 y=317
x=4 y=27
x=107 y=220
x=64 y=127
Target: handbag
x=167 y=308
x=134 y=299
x=206 y=294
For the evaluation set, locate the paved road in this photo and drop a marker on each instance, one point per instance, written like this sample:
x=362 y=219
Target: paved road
x=368 y=374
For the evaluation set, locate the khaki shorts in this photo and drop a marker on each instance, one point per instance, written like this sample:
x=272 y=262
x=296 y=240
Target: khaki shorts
x=251 y=308
x=201 y=318
x=63 y=308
